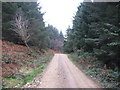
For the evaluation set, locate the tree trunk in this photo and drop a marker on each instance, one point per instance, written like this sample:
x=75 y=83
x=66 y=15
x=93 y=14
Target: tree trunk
x=28 y=47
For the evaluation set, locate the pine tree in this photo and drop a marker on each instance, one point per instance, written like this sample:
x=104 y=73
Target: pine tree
x=96 y=30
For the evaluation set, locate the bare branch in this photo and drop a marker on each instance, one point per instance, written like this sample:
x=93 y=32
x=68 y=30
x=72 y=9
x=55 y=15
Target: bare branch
x=21 y=26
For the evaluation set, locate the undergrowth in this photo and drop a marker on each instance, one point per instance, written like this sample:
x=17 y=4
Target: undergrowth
x=27 y=74
x=108 y=78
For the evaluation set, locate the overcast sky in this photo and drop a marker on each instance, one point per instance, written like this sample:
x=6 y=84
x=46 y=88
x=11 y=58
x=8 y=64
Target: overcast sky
x=59 y=13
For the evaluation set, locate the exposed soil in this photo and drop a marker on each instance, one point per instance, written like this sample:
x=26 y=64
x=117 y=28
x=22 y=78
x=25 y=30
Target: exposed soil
x=62 y=73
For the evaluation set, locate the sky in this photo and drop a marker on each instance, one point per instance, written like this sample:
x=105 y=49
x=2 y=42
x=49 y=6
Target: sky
x=59 y=13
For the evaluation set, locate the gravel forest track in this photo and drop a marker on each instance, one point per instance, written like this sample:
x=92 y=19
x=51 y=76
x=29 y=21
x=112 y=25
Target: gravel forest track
x=62 y=73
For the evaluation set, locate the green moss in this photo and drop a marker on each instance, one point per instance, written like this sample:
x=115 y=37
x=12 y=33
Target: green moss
x=19 y=79
x=34 y=73
x=12 y=82
x=18 y=82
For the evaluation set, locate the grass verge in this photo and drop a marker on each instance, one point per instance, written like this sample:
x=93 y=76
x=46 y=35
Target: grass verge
x=18 y=80
x=105 y=77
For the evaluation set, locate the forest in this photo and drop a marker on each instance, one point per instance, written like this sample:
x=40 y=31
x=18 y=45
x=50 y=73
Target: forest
x=23 y=24
x=96 y=30
x=95 y=35
x=27 y=43
x=92 y=43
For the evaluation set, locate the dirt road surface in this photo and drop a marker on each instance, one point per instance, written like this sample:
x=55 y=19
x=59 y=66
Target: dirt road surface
x=62 y=73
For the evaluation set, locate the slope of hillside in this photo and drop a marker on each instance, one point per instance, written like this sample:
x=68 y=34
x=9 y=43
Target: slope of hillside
x=13 y=57
x=18 y=63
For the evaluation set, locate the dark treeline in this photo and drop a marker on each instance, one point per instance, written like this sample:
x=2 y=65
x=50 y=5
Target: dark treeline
x=56 y=39
x=96 y=30
x=23 y=23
